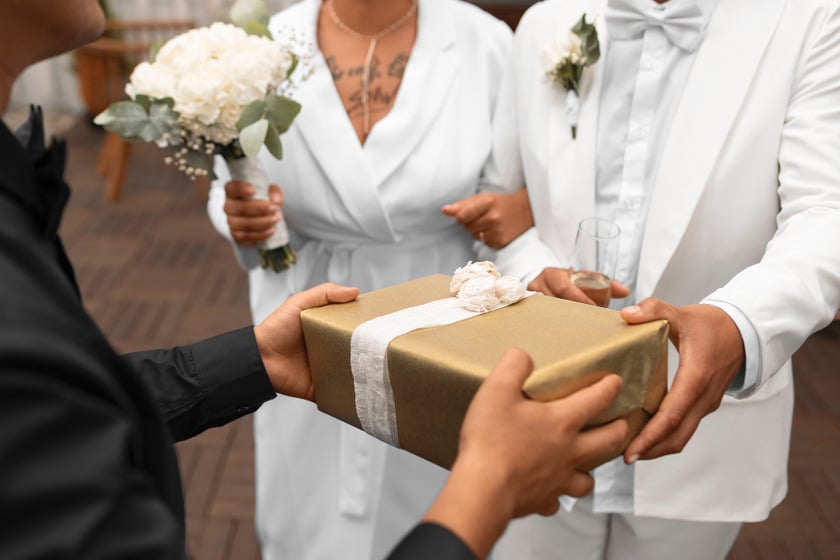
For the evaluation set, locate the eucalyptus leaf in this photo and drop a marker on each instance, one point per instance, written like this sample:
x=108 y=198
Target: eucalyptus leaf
x=199 y=160
x=591 y=49
x=273 y=143
x=126 y=118
x=589 y=40
x=162 y=119
x=582 y=26
x=250 y=15
x=257 y=29
x=295 y=60
x=252 y=137
x=144 y=101
x=168 y=101
x=252 y=113
x=281 y=111
x=154 y=49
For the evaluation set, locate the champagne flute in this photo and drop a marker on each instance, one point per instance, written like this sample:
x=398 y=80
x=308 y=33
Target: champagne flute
x=594 y=258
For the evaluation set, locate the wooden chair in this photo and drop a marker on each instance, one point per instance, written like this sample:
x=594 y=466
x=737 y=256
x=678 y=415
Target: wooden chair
x=103 y=68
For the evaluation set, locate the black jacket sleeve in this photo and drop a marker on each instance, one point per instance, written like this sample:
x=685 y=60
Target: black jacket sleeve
x=206 y=384
x=431 y=541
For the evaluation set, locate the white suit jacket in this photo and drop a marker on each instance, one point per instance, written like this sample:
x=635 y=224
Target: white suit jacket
x=744 y=210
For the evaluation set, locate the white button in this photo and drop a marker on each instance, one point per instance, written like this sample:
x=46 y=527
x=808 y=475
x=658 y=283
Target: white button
x=650 y=62
x=638 y=131
x=631 y=203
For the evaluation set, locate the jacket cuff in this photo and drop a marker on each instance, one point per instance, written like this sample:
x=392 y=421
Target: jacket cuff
x=231 y=374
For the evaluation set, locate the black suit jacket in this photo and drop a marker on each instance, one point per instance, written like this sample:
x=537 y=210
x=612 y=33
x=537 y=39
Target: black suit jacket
x=87 y=465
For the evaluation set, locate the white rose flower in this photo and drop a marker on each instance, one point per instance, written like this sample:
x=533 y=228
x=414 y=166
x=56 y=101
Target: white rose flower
x=479 y=294
x=472 y=270
x=509 y=289
x=212 y=73
x=567 y=47
x=150 y=81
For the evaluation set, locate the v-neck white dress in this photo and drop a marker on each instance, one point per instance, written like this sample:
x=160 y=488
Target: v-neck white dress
x=367 y=216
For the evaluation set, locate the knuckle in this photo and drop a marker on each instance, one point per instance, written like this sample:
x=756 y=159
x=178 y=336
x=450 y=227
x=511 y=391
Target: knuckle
x=671 y=420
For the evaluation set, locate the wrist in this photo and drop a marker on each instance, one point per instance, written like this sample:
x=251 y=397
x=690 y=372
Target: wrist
x=264 y=350
x=476 y=503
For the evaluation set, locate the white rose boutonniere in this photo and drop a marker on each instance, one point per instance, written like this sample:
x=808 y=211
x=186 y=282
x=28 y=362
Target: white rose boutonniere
x=565 y=59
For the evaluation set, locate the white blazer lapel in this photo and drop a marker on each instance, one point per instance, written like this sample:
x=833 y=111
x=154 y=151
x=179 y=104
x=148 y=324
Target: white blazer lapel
x=325 y=128
x=713 y=95
x=429 y=76
x=571 y=173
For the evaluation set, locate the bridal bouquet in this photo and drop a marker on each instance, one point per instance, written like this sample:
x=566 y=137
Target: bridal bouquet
x=218 y=90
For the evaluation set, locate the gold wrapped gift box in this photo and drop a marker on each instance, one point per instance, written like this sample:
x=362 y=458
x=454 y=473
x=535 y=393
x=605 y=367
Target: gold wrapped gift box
x=434 y=372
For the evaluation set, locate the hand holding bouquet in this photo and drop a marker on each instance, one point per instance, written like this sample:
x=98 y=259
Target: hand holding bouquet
x=217 y=90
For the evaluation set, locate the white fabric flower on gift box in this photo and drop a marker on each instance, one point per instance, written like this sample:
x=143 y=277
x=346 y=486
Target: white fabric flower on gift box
x=479 y=294
x=481 y=288
x=509 y=289
x=469 y=271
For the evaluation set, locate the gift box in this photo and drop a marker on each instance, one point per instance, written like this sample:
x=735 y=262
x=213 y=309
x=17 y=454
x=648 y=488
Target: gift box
x=431 y=374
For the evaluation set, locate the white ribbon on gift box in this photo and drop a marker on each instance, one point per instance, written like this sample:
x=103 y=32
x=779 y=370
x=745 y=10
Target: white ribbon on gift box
x=369 y=365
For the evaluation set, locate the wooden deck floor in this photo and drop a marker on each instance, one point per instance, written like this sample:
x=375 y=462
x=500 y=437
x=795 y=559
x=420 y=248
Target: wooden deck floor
x=154 y=273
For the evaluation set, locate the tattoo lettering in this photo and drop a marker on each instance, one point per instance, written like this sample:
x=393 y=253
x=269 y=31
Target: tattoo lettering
x=397 y=67
x=380 y=100
x=374 y=70
x=335 y=70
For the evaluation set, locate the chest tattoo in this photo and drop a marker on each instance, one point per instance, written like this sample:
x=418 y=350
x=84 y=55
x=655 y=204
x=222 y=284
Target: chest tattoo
x=385 y=79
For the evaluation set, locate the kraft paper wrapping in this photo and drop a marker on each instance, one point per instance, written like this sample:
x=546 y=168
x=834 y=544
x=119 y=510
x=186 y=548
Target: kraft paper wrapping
x=435 y=372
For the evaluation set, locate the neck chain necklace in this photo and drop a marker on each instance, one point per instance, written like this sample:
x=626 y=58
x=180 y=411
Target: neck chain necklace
x=373 y=39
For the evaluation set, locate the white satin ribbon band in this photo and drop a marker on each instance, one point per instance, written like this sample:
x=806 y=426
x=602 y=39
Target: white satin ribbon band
x=369 y=364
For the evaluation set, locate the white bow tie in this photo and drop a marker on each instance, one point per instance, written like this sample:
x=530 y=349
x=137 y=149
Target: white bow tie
x=680 y=20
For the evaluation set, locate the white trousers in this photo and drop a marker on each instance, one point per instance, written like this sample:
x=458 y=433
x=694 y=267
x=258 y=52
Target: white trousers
x=584 y=535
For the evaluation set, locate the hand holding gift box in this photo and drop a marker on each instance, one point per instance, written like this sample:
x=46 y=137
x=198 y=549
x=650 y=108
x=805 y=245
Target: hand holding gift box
x=418 y=399
x=513 y=464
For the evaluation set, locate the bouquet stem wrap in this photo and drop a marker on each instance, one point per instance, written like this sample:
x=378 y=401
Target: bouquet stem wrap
x=275 y=252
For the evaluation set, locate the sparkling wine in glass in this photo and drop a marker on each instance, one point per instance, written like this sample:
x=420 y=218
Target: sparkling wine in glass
x=594 y=258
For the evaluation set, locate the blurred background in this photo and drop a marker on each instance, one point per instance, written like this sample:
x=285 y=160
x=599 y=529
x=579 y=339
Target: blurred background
x=53 y=83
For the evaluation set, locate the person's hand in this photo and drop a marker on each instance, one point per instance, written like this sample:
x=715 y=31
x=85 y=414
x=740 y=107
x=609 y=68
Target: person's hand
x=557 y=282
x=517 y=456
x=537 y=447
x=495 y=219
x=280 y=339
x=250 y=220
x=711 y=354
